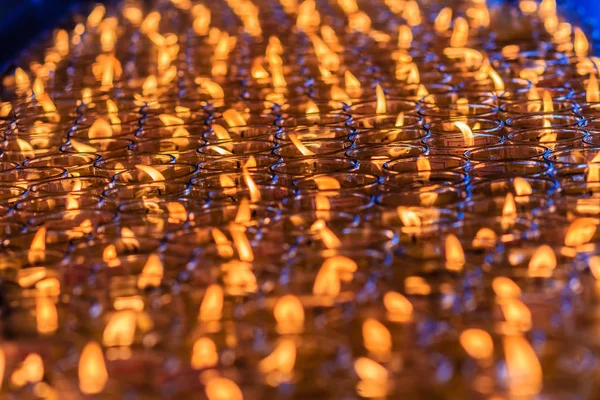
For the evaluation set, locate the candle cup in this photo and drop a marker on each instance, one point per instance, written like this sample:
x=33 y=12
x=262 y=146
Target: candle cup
x=184 y=150
x=232 y=164
x=457 y=145
x=372 y=158
x=436 y=163
x=312 y=134
x=436 y=196
x=226 y=214
x=270 y=195
x=387 y=121
x=75 y=164
x=234 y=149
x=104 y=147
x=536 y=107
x=134 y=191
x=506 y=152
x=433 y=113
x=313 y=120
x=355 y=182
x=554 y=121
x=393 y=106
x=317 y=148
x=25 y=177
x=47 y=204
x=552 y=138
x=418 y=180
x=288 y=171
x=525 y=206
x=168 y=172
x=512 y=168
x=349 y=202
x=110 y=166
x=81 y=185
x=242 y=133
x=230 y=181
x=373 y=136
x=503 y=186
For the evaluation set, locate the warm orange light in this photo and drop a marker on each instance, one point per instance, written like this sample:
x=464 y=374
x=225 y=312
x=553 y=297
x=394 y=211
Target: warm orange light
x=327 y=183
x=152 y=273
x=100 y=128
x=593 y=170
x=329 y=239
x=223 y=245
x=244 y=212
x=467 y=133
x=26 y=148
x=22 y=80
x=120 y=330
x=523 y=367
x=155 y=174
x=477 y=343
x=37 y=248
x=381 y=102
x=31 y=370
x=376 y=337
x=223 y=389
x=496 y=79
x=241 y=243
x=233 y=118
x=398 y=307
x=339 y=94
x=299 y=145
x=211 y=308
x=423 y=164
x=333 y=271
x=455 y=256
x=257 y=70
x=312 y=108
x=460 y=33
x=351 y=82
x=485 y=237
x=289 y=314
x=522 y=187
x=46 y=316
x=509 y=210
x=442 y=22
x=82 y=147
x=505 y=288
x=149 y=86
x=542 y=262
x=255 y=195
x=516 y=313
x=399 y=120
x=204 y=354
x=239 y=277
x=408 y=217
x=592 y=92
x=581 y=45
x=548 y=105
x=580 y=232
x=405 y=37
x=369 y=370
x=93 y=375
x=279 y=365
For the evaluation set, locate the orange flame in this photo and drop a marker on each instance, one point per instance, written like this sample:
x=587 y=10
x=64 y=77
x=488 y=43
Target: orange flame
x=289 y=314
x=204 y=354
x=82 y=147
x=542 y=262
x=255 y=195
x=398 y=307
x=522 y=187
x=233 y=118
x=120 y=330
x=505 y=288
x=152 y=273
x=581 y=45
x=369 y=370
x=376 y=337
x=327 y=183
x=93 y=375
x=381 y=104
x=408 y=217
x=241 y=243
x=523 y=366
x=155 y=174
x=332 y=272
x=37 y=249
x=330 y=240
x=211 y=308
x=460 y=33
x=399 y=120
x=299 y=145
x=279 y=365
x=46 y=316
x=477 y=343
x=443 y=20
x=580 y=232
x=31 y=370
x=455 y=256
x=516 y=313
x=223 y=389
x=467 y=133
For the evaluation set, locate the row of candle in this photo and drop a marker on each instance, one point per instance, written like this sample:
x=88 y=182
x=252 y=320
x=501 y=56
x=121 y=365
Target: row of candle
x=257 y=198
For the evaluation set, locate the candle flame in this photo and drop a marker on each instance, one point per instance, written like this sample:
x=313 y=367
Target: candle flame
x=211 y=308
x=312 y=108
x=523 y=366
x=455 y=256
x=241 y=243
x=460 y=33
x=170 y=120
x=581 y=45
x=37 y=248
x=101 y=128
x=376 y=337
x=93 y=375
x=204 y=354
x=369 y=370
x=477 y=343
x=280 y=363
x=408 y=217
x=46 y=316
x=223 y=389
x=593 y=170
x=467 y=133
x=351 y=82
x=155 y=174
x=485 y=237
x=120 y=330
x=289 y=314
x=522 y=187
x=548 y=105
x=233 y=118
x=398 y=307
x=82 y=147
x=332 y=272
x=26 y=148
x=505 y=288
x=329 y=239
x=417 y=285
x=31 y=370
x=580 y=232
x=109 y=254
x=152 y=273
x=516 y=313
x=399 y=120
x=442 y=22
x=542 y=262
x=381 y=105
x=177 y=212
x=255 y=195
x=592 y=92
x=150 y=84
x=327 y=183
x=299 y=145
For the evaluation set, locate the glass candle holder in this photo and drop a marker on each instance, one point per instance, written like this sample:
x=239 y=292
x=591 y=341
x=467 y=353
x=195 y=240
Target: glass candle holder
x=457 y=145
x=104 y=147
x=313 y=149
x=110 y=166
x=371 y=158
x=506 y=152
x=512 y=168
x=171 y=172
x=75 y=164
x=553 y=138
x=557 y=121
x=418 y=164
x=343 y=182
x=288 y=171
x=375 y=136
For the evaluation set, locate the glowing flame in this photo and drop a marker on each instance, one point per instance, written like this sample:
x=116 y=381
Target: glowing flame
x=327 y=183
x=381 y=105
x=351 y=82
x=211 y=308
x=26 y=148
x=580 y=43
x=177 y=212
x=460 y=33
x=509 y=210
x=82 y=147
x=170 y=120
x=467 y=133
x=31 y=370
x=109 y=254
x=376 y=337
x=477 y=343
x=522 y=187
x=214 y=89
x=516 y=313
x=548 y=105
x=120 y=330
x=332 y=272
x=495 y=77
x=369 y=370
x=22 y=80
x=443 y=20
x=241 y=243
x=505 y=288
x=455 y=256
x=37 y=249
x=233 y=118
x=153 y=172
x=524 y=368
x=280 y=363
x=399 y=120
x=204 y=354
x=485 y=237
x=581 y=231
x=405 y=37
x=46 y=316
x=221 y=132
x=398 y=307
x=592 y=92
x=255 y=195
x=150 y=84
x=312 y=108
x=423 y=164
x=152 y=273
x=542 y=262
x=299 y=145
x=38 y=88
x=223 y=389
x=339 y=94
x=289 y=314
x=100 y=128
x=244 y=212
x=93 y=375
x=2 y=366
x=329 y=239
x=408 y=217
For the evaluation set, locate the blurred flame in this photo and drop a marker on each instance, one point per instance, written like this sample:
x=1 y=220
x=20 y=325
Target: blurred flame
x=442 y=22
x=467 y=133
x=333 y=271
x=542 y=262
x=581 y=45
x=505 y=288
x=289 y=314
x=299 y=145
x=405 y=37
x=255 y=195
x=399 y=120
x=381 y=106
x=46 y=316
x=211 y=308
x=460 y=33
x=120 y=329
x=37 y=249
x=204 y=354
x=109 y=254
x=455 y=256
x=241 y=243
x=398 y=307
x=376 y=337
x=93 y=375
x=516 y=313
x=581 y=231
x=592 y=92
x=155 y=174
x=312 y=108
x=522 y=187
x=523 y=366
x=82 y=147
x=244 y=212
x=280 y=363
x=223 y=389
x=31 y=370
x=408 y=217
x=26 y=148
x=485 y=237
x=177 y=212
x=329 y=239
x=477 y=343
x=152 y=273
x=351 y=81
x=327 y=183
x=233 y=118
x=100 y=128
x=369 y=370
